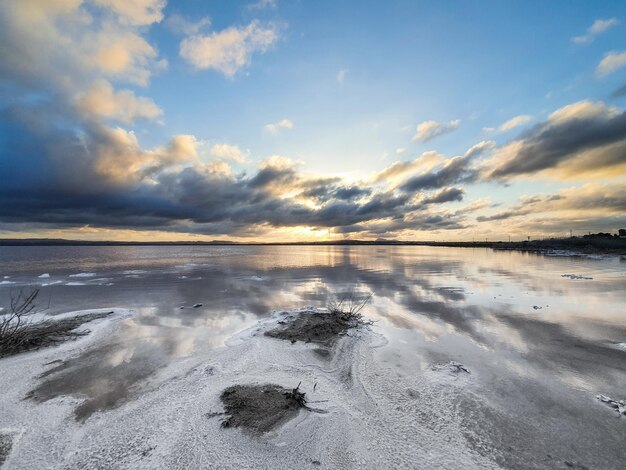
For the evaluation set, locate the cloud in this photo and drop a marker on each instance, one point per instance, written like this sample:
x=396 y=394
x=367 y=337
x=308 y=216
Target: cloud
x=611 y=62
x=181 y=25
x=60 y=45
x=119 y=159
x=598 y=27
x=229 y=50
x=480 y=148
x=276 y=127
x=576 y=141
x=428 y=130
x=515 y=122
x=423 y=164
x=618 y=93
x=590 y=203
x=115 y=183
x=102 y=100
x=341 y=75
x=73 y=165
x=73 y=160
x=445 y=195
x=454 y=170
x=228 y=152
x=262 y=4
x=135 y=12
x=400 y=150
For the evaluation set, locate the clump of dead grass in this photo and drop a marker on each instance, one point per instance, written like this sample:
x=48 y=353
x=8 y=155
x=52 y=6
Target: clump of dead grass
x=19 y=332
x=349 y=308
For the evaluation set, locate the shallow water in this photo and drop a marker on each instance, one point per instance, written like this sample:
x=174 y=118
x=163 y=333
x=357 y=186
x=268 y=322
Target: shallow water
x=539 y=346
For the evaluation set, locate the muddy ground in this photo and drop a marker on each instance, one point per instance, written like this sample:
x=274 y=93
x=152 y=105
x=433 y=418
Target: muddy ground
x=314 y=327
x=6 y=444
x=260 y=408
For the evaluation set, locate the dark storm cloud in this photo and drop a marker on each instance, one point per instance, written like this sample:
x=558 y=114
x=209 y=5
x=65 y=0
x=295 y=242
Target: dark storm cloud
x=55 y=182
x=445 y=195
x=577 y=138
x=455 y=170
x=326 y=190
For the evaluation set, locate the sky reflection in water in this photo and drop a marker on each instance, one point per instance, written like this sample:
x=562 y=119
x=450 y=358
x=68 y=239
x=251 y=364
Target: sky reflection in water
x=475 y=306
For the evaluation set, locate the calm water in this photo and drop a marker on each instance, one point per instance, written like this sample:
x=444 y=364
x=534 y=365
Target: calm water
x=540 y=346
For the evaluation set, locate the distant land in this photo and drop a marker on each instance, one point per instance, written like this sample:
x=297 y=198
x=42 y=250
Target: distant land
x=584 y=245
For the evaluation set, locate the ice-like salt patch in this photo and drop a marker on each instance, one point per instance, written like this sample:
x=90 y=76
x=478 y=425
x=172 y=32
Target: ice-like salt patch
x=452 y=367
x=83 y=275
x=134 y=271
x=53 y=283
x=75 y=283
x=618 y=405
x=191 y=265
x=369 y=420
x=621 y=346
x=576 y=277
x=3 y=283
x=576 y=254
x=44 y=276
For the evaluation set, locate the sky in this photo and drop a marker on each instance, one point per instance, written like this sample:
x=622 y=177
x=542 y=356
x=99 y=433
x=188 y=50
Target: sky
x=277 y=120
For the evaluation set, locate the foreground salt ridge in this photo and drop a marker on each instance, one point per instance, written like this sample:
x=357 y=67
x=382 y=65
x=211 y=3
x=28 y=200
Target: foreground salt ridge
x=25 y=422
x=370 y=420
x=375 y=417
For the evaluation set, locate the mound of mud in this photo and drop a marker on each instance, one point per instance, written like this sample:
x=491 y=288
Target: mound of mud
x=314 y=327
x=260 y=408
x=6 y=444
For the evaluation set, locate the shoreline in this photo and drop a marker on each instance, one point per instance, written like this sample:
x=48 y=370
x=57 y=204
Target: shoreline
x=575 y=246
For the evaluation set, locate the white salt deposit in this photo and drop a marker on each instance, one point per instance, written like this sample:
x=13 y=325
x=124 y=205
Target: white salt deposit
x=369 y=420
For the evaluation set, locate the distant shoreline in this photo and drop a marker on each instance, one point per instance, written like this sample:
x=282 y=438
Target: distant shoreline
x=616 y=246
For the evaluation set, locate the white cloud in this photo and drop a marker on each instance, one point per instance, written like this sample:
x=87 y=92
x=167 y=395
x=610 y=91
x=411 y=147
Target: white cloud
x=598 y=27
x=261 y=4
x=65 y=44
x=121 y=160
x=228 y=152
x=279 y=162
x=400 y=150
x=102 y=100
x=422 y=164
x=229 y=50
x=181 y=25
x=277 y=126
x=135 y=12
x=480 y=148
x=341 y=76
x=428 y=130
x=611 y=62
x=515 y=122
